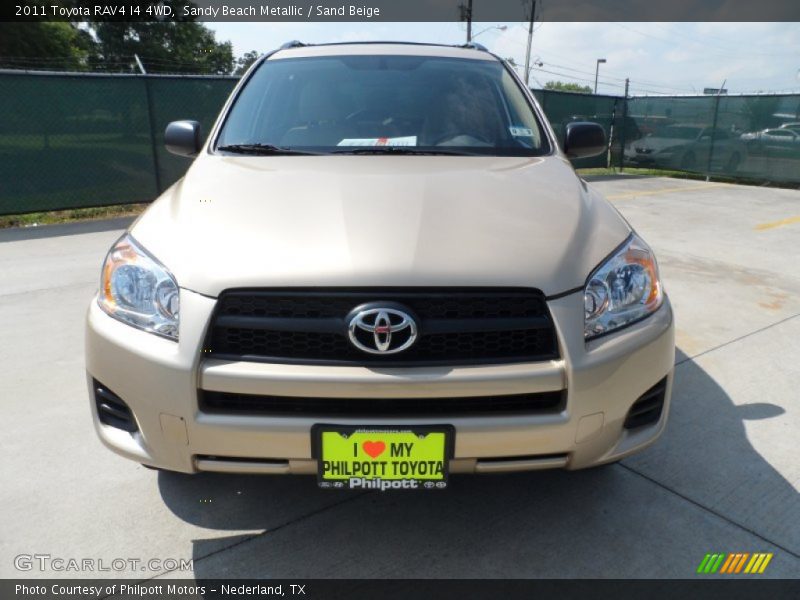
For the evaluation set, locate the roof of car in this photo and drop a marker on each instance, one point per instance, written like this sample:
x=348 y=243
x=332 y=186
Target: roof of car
x=299 y=50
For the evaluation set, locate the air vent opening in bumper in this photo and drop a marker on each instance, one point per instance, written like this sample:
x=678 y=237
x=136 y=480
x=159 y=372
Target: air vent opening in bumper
x=232 y=403
x=647 y=409
x=112 y=410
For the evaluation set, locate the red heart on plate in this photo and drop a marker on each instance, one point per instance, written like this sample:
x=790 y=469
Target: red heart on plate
x=374 y=449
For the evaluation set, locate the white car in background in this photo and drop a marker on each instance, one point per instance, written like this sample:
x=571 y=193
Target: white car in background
x=777 y=142
x=687 y=147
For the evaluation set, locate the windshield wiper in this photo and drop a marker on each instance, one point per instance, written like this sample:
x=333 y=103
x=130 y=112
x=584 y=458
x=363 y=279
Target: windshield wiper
x=403 y=150
x=262 y=150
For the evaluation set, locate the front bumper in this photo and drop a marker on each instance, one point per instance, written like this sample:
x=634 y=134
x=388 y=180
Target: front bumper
x=159 y=380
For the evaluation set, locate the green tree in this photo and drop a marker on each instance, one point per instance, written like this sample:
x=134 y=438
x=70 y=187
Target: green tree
x=45 y=45
x=561 y=86
x=162 y=46
x=244 y=61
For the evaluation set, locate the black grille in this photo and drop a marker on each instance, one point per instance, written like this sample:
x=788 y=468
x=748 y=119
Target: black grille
x=433 y=305
x=223 y=402
x=469 y=326
x=647 y=409
x=112 y=410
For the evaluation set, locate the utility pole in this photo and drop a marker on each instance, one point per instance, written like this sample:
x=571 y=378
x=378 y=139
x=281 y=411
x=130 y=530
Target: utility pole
x=624 y=126
x=530 y=43
x=468 y=16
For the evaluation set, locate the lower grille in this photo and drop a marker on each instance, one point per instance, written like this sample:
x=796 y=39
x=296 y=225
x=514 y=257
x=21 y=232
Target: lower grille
x=229 y=403
x=647 y=409
x=112 y=410
x=456 y=326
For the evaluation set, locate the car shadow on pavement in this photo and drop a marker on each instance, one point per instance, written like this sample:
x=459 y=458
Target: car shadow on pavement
x=701 y=488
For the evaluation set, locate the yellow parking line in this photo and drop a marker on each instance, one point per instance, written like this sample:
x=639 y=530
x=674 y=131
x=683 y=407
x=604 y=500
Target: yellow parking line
x=687 y=188
x=781 y=223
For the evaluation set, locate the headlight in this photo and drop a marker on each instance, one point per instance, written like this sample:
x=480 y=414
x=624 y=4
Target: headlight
x=623 y=290
x=136 y=289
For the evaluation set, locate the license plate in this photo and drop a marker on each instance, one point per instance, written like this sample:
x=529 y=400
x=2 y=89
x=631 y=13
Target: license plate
x=382 y=458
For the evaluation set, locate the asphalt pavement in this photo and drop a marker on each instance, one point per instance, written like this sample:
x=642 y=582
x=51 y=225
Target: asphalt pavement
x=724 y=477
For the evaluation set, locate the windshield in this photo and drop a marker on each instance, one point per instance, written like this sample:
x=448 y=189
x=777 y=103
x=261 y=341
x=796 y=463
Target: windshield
x=408 y=104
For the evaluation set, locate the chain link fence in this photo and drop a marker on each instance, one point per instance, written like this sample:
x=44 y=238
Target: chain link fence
x=73 y=141
x=753 y=137
x=82 y=140
x=563 y=108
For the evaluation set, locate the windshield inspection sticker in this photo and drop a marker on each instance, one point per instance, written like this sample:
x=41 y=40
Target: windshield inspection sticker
x=520 y=131
x=409 y=140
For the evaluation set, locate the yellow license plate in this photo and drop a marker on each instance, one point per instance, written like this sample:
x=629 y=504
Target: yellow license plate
x=382 y=458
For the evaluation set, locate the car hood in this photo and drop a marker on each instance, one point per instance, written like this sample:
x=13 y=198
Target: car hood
x=290 y=221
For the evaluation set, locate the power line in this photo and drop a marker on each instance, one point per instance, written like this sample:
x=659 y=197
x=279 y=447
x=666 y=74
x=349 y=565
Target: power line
x=607 y=83
x=606 y=77
x=728 y=48
x=606 y=70
x=676 y=86
x=568 y=76
x=721 y=52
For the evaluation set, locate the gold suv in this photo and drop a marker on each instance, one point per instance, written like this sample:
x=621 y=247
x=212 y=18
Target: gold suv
x=380 y=269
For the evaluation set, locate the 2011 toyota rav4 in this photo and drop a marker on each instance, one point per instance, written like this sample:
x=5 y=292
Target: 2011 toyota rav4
x=380 y=269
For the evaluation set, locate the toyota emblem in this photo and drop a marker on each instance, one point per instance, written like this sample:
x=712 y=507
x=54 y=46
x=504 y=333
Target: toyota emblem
x=382 y=329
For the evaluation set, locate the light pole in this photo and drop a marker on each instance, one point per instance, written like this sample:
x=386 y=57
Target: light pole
x=498 y=27
x=597 y=72
x=530 y=43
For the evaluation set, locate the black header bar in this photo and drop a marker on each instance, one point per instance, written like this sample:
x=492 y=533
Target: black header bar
x=400 y=10
x=718 y=588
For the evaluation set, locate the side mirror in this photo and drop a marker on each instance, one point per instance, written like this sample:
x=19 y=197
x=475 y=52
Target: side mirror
x=183 y=138
x=584 y=139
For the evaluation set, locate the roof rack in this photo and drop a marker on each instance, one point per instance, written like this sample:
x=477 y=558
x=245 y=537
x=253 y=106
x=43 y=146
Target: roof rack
x=468 y=45
x=474 y=46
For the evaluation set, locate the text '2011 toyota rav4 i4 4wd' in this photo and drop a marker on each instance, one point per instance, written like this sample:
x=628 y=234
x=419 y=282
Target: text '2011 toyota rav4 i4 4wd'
x=380 y=269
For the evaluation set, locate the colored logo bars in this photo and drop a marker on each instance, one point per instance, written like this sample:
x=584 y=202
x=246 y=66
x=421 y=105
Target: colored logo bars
x=736 y=562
